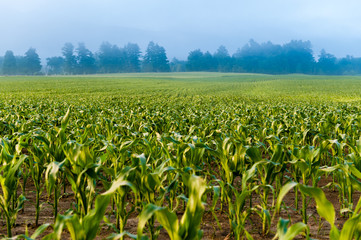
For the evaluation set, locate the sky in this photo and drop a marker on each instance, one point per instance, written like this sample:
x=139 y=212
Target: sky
x=180 y=26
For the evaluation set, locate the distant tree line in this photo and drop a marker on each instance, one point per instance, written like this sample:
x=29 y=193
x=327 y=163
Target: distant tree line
x=80 y=60
x=109 y=59
x=292 y=57
x=29 y=64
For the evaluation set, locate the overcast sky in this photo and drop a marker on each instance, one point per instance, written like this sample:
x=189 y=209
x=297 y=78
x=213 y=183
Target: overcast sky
x=180 y=26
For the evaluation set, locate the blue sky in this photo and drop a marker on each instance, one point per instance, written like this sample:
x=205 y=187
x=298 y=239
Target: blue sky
x=179 y=25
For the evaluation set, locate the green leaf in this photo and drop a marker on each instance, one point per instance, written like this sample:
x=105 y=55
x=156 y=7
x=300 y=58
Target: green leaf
x=148 y=211
x=92 y=220
x=115 y=236
x=51 y=173
x=58 y=228
x=192 y=217
x=169 y=221
x=40 y=230
x=294 y=230
x=75 y=228
x=284 y=233
x=65 y=120
x=324 y=207
x=349 y=228
x=284 y=190
x=120 y=182
x=254 y=154
x=334 y=233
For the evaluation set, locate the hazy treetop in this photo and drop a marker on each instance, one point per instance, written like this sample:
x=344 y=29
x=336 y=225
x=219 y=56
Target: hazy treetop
x=179 y=25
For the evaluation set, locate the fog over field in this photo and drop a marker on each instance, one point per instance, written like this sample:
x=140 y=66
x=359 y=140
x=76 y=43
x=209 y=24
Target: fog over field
x=179 y=26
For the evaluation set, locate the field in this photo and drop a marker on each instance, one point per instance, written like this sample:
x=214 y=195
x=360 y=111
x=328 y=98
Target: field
x=180 y=156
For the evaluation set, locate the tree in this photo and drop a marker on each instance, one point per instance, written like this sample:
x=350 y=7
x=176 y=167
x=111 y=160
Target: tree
x=55 y=65
x=86 y=60
x=177 y=65
x=349 y=65
x=293 y=57
x=271 y=59
x=327 y=63
x=155 y=59
x=248 y=57
x=1 y=64
x=132 y=52
x=70 y=63
x=199 y=61
x=9 y=64
x=32 y=62
x=110 y=57
x=224 y=61
x=195 y=61
x=21 y=65
x=298 y=57
x=259 y=58
x=209 y=62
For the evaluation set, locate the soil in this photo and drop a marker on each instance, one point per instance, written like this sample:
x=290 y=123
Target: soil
x=319 y=229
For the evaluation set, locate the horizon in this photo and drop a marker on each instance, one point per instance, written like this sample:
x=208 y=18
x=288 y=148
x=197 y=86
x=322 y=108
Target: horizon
x=143 y=50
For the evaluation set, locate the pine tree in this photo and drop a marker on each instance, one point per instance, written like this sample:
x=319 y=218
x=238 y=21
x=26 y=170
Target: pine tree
x=9 y=64
x=70 y=63
x=155 y=59
x=32 y=62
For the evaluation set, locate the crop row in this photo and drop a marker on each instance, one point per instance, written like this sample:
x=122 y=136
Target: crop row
x=169 y=164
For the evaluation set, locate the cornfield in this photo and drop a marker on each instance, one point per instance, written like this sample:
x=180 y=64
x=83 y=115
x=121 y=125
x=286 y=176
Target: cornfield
x=202 y=156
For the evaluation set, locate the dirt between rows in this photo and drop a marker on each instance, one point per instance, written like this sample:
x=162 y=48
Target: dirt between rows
x=319 y=229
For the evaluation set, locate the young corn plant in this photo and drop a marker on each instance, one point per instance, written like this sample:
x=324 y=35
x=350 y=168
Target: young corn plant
x=355 y=155
x=288 y=233
x=232 y=155
x=306 y=163
x=347 y=180
x=52 y=143
x=9 y=202
x=350 y=229
x=23 y=145
x=267 y=171
x=215 y=193
x=189 y=226
x=324 y=207
x=236 y=200
x=150 y=184
x=81 y=171
x=81 y=228
x=40 y=230
x=37 y=167
x=86 y=227
x=53 y=183
x=121 y=188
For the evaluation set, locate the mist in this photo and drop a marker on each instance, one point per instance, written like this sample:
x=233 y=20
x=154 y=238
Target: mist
x=179 y=26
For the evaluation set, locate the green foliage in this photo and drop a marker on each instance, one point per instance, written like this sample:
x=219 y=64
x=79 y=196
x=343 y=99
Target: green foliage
x=10 y=203
x=32 y=62
x=155 y=59
x=9 y=64
x=81 y=228
x=169 y=148
x=188 y=226
x=285 y=233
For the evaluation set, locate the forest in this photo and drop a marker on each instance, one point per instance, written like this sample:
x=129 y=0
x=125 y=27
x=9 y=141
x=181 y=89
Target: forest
x=296 y=56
